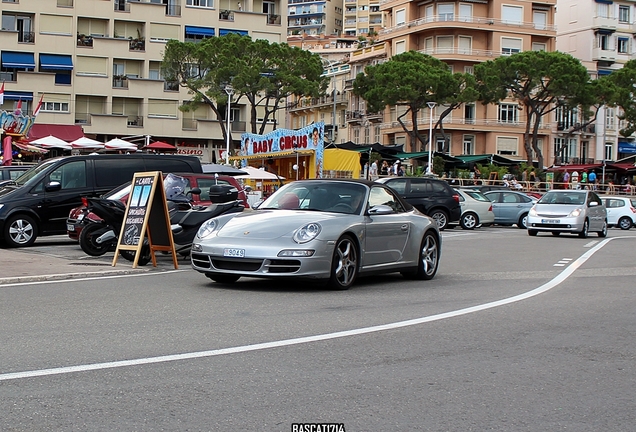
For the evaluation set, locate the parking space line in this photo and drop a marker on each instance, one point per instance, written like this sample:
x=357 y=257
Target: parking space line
x=561 y=277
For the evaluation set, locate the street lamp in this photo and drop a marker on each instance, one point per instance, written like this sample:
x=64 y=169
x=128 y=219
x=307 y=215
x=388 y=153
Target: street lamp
x=230 y=91
x=429 y=168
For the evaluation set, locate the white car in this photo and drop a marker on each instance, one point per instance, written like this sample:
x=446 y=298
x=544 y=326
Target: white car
x=476 y=209
x=621 y=211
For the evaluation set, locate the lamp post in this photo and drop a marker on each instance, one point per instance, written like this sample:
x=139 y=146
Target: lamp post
x=429 y=168
x=230 y=91
x=296 y=167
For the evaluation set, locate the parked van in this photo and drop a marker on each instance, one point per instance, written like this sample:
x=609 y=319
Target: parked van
x=39 y=201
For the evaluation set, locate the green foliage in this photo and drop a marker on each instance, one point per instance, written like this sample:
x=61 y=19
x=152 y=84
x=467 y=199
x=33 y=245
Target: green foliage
x=624 y=95
x=438 y=165
x=540 y=82
x=265 y=73
x=411 y=79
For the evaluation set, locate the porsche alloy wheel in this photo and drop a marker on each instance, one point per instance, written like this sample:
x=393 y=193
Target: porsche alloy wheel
x=344 y=265
x=428 y=261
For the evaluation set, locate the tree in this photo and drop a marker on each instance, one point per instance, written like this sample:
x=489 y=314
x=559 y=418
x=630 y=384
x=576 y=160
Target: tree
x=412 y=79
x=265 y=73
x=624 y=95
x=541 y=82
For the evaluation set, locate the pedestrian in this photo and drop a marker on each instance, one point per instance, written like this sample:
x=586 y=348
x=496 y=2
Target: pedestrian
x=373 y=172
x=477 y=175
x=566 y=179
x=524 y=176
x=591 y=178
x=574 y=179
x=397 y=168
x=384 y=170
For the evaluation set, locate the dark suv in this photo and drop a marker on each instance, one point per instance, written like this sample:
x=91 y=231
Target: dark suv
x=433 y=197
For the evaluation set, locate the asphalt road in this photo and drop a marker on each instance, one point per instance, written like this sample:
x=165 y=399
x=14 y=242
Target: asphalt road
x=515 y=333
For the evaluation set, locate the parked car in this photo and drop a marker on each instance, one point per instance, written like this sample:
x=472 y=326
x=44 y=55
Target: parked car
x=476 y=209
x=483 y=188
x=621 y=211
x=11 y=172
x=203 y=182
x=39 y=201
x=322 y=229
x=571 y=211
x=431 y=196
x=510 y=207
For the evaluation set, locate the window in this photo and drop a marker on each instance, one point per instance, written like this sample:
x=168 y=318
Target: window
x=602 y=10
x=610 y=117
x=380 y=196
x=566 y=117
x=540 y=20
x=465 y=44
x=623 y=45
x=200 y=3
x=430 y=16
x=469 y=113
x=440 y=144
x=510 y=46
x=609 y=151
x=55 y=106
x=71 y=175
x=603 y=41
x=623 y=14
x=584 y=149
x=269 y=8
x=400 y=47
x=465 y=12
x=565 y=149
x=444 y=44
x=537 y=46
x=511 y=14
x=507 y=146
x=468 y=146
x=508 y=113
x=446 y=11
x=469 y=70
x=400 y=17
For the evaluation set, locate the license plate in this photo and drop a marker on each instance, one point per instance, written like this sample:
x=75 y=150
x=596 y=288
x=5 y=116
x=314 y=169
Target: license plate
x=550 y=221
x=70 y=227
x=236 y=253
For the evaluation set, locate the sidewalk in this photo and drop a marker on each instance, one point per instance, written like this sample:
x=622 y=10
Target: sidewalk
x=27 y=265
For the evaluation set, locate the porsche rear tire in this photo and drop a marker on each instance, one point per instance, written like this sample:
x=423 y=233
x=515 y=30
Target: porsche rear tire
x=428 y=261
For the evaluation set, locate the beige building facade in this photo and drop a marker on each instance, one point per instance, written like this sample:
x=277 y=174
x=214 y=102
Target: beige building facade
x=96 y=63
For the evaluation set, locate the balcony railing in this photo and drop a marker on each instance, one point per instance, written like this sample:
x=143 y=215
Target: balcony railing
x=137 y=44
x=463 y=20
x=84 y=41
x=171 y=86
x=82 y=118
x=226 y=15
x=26 y=37
x=120 y=82
x=565 y=160
x=173 y=10
x=137 y=121
x=189 y=123
x=273 y=19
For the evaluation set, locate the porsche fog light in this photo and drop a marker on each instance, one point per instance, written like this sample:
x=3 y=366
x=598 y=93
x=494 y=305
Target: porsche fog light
x=207 y=228
x=307 y=233
x=296 y=253
x=196 y=247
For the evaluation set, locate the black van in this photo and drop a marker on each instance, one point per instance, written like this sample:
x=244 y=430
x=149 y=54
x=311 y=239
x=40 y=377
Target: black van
x=39 y=201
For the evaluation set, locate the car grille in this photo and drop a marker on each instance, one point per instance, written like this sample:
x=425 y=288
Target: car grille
x=556 y=226
x=248 y=265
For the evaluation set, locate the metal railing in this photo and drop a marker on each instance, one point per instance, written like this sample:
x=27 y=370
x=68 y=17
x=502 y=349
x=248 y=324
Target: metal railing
x=463 y=20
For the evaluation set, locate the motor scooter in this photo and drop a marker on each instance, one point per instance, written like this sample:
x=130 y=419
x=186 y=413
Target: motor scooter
x=186 y=223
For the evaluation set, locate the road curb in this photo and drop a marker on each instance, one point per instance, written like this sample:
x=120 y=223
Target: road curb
x=68 y=276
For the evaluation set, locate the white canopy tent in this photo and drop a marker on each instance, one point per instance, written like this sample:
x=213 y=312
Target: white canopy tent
x=120 y=144
x=51 y=141
x=87 y=143
x=258 y=174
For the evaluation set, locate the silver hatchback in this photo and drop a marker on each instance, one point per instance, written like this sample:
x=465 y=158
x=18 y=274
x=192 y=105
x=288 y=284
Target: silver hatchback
x=570 y=211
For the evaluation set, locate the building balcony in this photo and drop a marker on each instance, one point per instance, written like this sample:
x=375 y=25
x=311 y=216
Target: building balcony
x=84 y=40
x=26 y=37
x=226 y=15
x=120 y=82
x=64 y=3
x=137 y=44
x=454 y=53
x=135 y=121
x=273 y=19
x=560 y=161
x=451 y=20
x=599 y=54
x=604 y=23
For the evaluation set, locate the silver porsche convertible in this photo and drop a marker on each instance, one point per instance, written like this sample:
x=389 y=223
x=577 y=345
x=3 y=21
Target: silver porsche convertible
x=329 y=230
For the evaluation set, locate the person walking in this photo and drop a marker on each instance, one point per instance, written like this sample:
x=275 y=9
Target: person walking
x=373 y=171
x=591 y=178
x=384 y=169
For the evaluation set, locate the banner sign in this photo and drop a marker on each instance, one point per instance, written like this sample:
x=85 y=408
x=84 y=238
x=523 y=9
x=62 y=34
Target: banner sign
x=286 y=140
x=16 y=122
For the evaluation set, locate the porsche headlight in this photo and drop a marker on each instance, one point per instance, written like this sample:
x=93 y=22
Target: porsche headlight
x=208 y=227
x=575 y=212
x=307 y=233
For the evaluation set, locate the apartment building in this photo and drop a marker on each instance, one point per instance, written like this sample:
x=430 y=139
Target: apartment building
x=311 y=17
x=601 y=34
x=463 y=34
x=97 y=64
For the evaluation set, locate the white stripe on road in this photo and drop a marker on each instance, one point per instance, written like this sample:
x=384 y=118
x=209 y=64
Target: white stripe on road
x=90 y=278
x=567 y=272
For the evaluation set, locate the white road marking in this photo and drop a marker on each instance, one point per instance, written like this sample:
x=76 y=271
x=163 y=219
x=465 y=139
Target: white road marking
x=89 y=278
x=567 y=272
x=590 y=244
